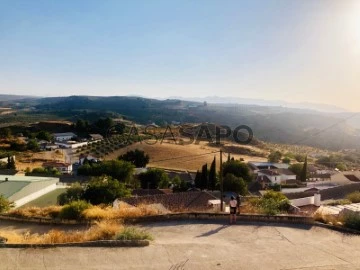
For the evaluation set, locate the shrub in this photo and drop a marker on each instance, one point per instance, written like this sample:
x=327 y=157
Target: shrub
x=74 y=193
x=132 y=233
x=354 y=197
x=352 y=221
x=5 y=205
x=74 y=210
x=272 y=203
x=339 y=202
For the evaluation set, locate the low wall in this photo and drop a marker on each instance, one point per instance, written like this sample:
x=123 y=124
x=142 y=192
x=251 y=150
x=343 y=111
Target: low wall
x=223 y=217
x=100 y=243
x=176 y=216
x=302 y=201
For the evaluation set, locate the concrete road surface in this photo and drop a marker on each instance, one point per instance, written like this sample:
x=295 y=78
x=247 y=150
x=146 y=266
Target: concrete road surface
x=183 y=245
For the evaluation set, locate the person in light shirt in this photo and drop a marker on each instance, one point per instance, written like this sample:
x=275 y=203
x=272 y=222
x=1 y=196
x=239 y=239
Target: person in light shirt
x=233 y=208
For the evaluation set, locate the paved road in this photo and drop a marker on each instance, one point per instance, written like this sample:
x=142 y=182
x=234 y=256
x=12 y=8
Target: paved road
x=205 y=246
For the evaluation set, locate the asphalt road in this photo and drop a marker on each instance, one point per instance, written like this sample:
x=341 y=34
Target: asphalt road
x=182 y=245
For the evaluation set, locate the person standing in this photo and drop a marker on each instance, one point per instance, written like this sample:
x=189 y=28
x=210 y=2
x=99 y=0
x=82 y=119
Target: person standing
x=233 y=208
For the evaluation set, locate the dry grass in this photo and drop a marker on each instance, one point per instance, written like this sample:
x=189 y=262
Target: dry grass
x=99 y=213
x=328 y=219
x=35 y=160
x=28 y=212
x=104 y=230
x=249 y=209
x=92 y=213
x=166 y=150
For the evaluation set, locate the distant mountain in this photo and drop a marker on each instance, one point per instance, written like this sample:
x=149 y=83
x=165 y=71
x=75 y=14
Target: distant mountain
x=263 y=102
x=15 y=97
x=269 y=123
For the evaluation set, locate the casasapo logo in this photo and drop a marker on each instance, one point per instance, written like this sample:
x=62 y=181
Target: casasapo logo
x=185 y=134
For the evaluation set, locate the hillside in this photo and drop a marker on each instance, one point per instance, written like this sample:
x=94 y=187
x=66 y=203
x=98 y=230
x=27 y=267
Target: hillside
x=273 y=124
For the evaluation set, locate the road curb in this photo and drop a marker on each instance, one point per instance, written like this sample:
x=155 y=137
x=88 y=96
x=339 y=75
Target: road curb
x=100 y=243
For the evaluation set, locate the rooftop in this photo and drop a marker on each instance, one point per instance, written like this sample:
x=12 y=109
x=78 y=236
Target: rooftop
x=64 y=134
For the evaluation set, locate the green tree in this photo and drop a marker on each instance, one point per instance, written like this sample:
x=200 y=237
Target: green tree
x=32 y=145
x=154 y=178
x=5 y=133
x=5 y=205
x=105 y=190
x=180 y=185
x=296 y=169
x=74 y=193
x=275 y=156
x=304 y=172
x=44 y=135
x=103 y=125
x=237 y=168
x=118 y=169
x=286 y=160
x=235 y=184
x=136 y=157
x=341 y=166
x=212 y=175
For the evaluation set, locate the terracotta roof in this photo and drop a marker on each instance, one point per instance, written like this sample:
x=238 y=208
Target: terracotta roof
x=148 y=192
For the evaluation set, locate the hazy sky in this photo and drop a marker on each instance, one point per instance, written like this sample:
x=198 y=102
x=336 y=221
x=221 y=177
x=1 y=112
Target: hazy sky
x=293 y=50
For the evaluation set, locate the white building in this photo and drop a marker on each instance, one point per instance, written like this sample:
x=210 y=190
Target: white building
x=257 y=166
x=61 y=137
x=64 y=168
x=275 y=176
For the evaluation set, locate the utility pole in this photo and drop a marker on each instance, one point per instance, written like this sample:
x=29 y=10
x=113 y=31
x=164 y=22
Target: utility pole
x=221 y=183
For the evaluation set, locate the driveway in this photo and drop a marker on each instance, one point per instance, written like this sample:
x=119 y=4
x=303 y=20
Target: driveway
x=183 y=245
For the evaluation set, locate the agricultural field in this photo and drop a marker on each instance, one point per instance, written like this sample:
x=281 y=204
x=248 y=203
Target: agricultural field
x=191 y=157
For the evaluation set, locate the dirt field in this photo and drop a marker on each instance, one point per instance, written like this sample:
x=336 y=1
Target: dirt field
x=184 y=157
x=35 y=160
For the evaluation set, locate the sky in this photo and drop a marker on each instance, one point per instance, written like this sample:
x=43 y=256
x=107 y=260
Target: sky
x=296 y=51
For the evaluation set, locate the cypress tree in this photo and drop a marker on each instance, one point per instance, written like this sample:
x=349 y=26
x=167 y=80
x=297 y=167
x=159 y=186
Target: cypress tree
x=198 y=179
x=204 y=177
x=303 y=174
x=212 y=175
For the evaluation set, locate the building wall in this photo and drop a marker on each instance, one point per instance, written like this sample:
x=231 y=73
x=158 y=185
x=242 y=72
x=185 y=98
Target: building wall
x=315 y=200
x=63 y=138
x=32 y=188
x=5 y=160
x=35 y=195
